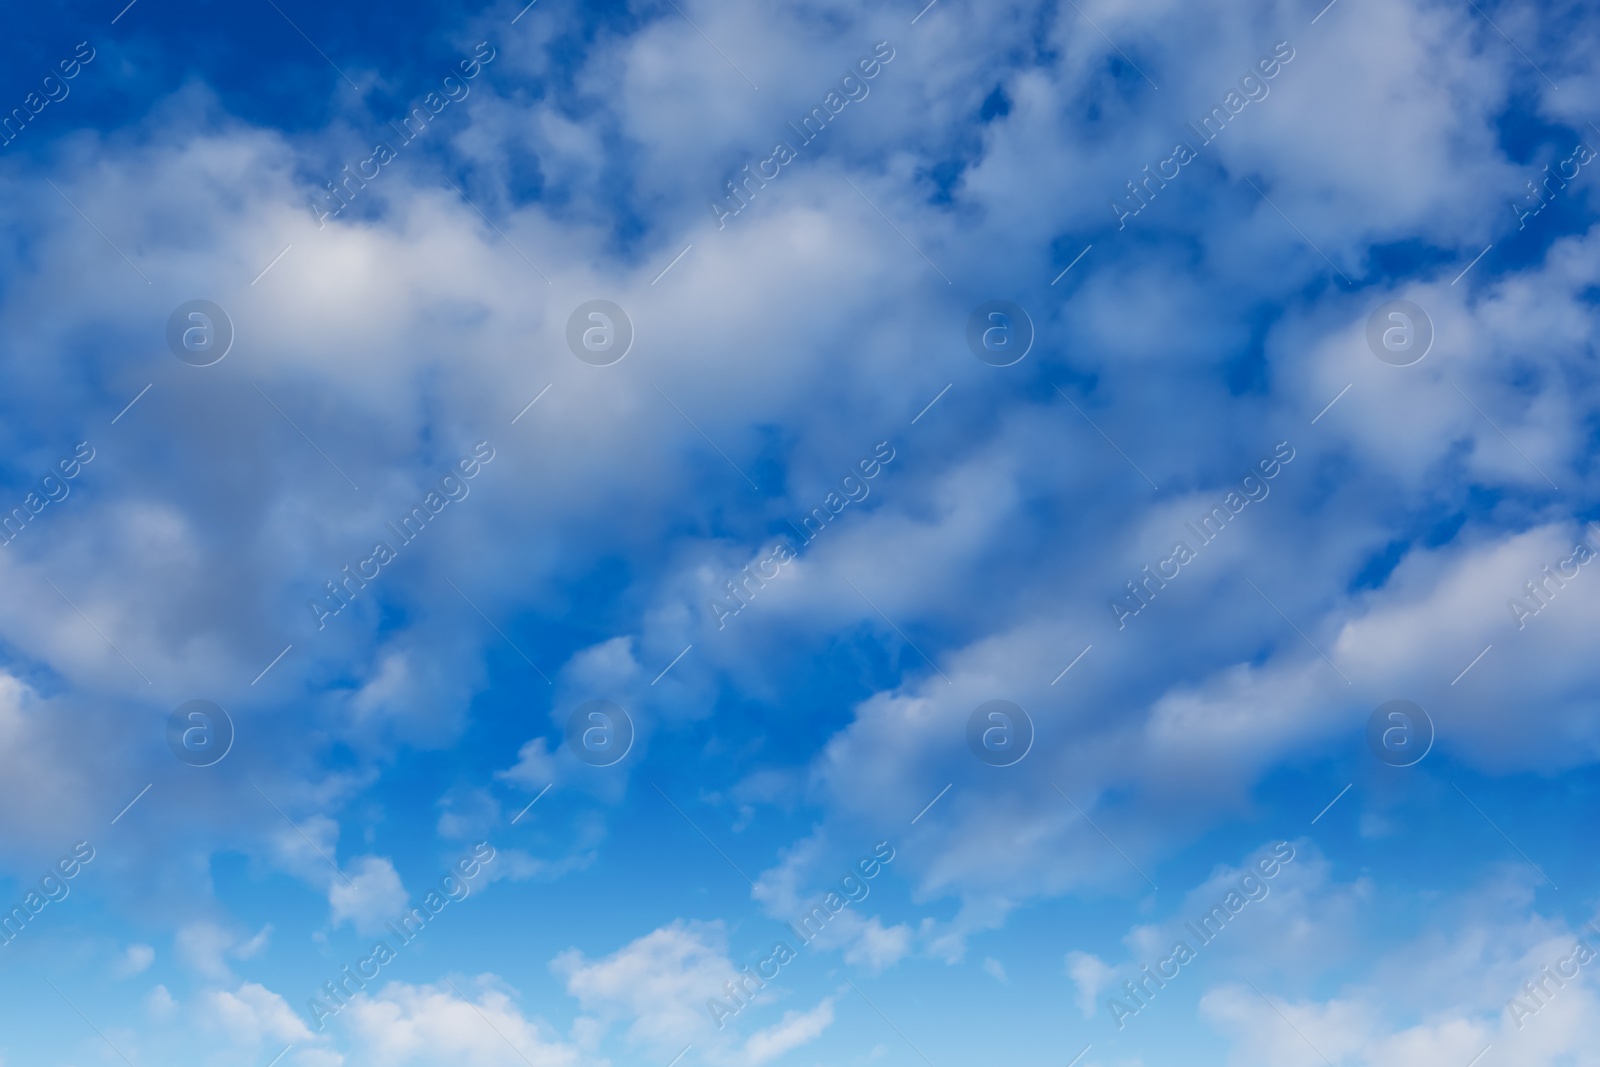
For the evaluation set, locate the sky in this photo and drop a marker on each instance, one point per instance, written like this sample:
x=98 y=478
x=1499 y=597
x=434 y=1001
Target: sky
x=692 y=534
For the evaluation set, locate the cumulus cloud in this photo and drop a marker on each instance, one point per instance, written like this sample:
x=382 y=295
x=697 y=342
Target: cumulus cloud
x=660 y=982
x=403 y=1023
x=252 y=1014
x=231 y=513
x=371 y=897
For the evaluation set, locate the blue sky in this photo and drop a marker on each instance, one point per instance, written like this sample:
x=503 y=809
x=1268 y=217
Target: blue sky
x=1315 y=394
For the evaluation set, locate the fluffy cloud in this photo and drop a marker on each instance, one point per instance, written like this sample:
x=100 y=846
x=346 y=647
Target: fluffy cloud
x=370 y=898
x=427 y=1024
x=134 y=960
x=252 y=1014
x=660 y=981
x=832 y=710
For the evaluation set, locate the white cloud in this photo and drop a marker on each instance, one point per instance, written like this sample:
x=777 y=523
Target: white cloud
x=253 y=1014
x=249 y=950
x=874 y=946
x=372 y=896
x=535 y=767
x=159 y=1003
x=134 y=960
x=407 y=1024
x=204 y=946
x=661 y=984
x=661 y=981
x=794 y=1031
x=316 y=1057
x=1090 y=975
x=792 y=887
x=1386 y=129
